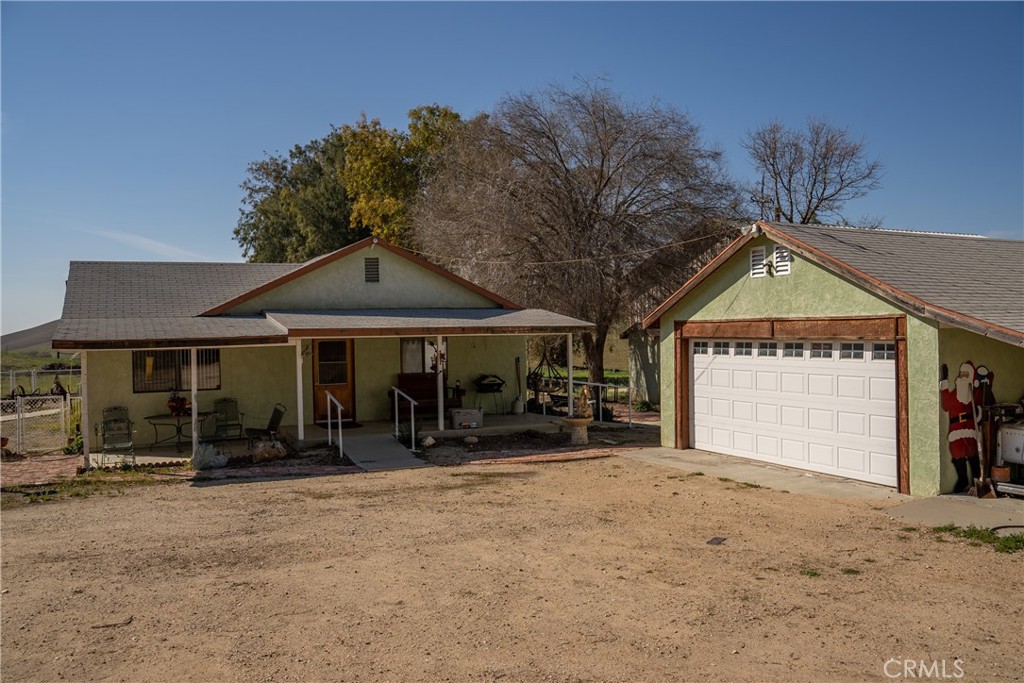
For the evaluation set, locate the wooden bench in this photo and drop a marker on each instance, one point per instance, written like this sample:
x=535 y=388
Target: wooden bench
x=422 y=387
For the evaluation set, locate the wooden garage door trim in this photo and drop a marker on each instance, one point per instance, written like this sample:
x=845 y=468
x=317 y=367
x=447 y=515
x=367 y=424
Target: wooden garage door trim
x=885 y=328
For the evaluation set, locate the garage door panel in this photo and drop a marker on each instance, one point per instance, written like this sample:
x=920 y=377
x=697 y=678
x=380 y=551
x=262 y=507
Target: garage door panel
x=767 y=381
x=792 y=416
x=743 y=411
x=792 y=383
x=830 y=415
x=821 y=385
x=850 y=423
x=742 y=379
x=820 y=419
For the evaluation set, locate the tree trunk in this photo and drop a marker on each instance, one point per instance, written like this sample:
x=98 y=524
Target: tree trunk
x=593 y=348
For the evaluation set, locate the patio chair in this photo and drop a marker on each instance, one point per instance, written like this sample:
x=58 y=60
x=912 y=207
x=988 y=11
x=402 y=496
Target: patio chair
x=228 y=419
x=256 y=434
x=117 y=435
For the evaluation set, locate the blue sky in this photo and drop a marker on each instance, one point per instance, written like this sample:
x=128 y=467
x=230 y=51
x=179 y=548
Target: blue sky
x=127 y=127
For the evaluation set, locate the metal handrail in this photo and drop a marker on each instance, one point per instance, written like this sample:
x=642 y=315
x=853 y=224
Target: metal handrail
x=412 y=416
x=600 y=412
x=331 y=399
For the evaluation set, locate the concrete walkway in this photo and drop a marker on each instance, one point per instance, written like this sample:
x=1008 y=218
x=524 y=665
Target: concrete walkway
x=379 y=452
x=963 y=511
x=763 y=474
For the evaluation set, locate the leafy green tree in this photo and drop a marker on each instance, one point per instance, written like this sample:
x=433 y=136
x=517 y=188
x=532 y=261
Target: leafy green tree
x=296 y=207
x=358 y=180
x=386 y=168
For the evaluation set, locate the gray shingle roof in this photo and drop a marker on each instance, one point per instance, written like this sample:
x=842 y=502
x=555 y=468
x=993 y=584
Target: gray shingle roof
x=126 y=289
x=482 y=319
x=975 y=276
x=125 y=304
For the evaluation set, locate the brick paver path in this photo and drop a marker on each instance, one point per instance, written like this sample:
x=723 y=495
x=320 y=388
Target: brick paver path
x=43 y=469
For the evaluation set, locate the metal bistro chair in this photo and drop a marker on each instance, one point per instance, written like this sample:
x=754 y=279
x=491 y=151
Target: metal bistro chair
x=117 y=435
x=228 y=419
x=255 y=433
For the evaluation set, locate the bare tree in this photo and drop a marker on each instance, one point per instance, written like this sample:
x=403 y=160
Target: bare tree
x=573 y=200
x=808 y=176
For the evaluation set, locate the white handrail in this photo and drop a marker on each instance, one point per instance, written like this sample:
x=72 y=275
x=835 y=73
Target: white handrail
x=600 y=412
x=331 y=399
x=412 y=415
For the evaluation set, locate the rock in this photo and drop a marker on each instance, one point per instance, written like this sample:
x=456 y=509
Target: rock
x=427 y=442
x=268 y=450
x=471 y=440
x=207 y=457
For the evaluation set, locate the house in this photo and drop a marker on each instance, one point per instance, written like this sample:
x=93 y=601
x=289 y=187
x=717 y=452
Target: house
x=344 y=324
x=821 y=348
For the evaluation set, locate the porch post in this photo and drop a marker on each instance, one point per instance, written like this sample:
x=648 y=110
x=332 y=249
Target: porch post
x=440 y=388
x=568 y=361
x=298 y=393
x=194 y=360
x=83 y=390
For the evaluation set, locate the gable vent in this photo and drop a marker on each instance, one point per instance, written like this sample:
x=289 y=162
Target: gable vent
x=371 y=266
x=783 y=260
x=757 y=265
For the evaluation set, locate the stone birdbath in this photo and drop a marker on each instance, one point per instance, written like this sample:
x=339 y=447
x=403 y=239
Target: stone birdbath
x=583 y=415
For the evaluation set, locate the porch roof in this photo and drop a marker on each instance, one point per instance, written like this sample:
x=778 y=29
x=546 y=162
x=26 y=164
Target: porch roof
x=277 y=327
x=424 y=322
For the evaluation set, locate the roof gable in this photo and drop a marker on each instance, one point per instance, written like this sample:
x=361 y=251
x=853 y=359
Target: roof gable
x=337 y=281
x=969 y=282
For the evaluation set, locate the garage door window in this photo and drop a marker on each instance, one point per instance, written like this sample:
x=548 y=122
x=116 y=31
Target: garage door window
x=821 y=350
x=700 y=348
x=793 y=350
x=744 y=348
x=768 y=349
x=851 y=351
x=721 y=348
x=883 y=352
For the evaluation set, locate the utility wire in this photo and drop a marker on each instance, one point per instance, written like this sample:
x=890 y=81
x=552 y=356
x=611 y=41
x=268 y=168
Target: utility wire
x=448 y=257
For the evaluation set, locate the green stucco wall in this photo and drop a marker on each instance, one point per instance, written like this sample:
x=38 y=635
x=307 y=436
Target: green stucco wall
x=260 y=377
x=811 y=291
x=342 y=285
x=1004 y=360
x=257 y=377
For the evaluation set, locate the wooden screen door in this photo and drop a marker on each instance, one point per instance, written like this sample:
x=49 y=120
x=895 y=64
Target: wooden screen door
x=334 y=372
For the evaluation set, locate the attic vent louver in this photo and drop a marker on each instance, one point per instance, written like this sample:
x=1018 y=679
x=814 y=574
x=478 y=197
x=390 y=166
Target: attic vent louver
x=757 y=267
x=783 y=260
x=371 y=267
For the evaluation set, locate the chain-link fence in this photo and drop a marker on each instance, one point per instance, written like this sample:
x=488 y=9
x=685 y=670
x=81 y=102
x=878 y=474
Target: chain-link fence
x=39 y=424
x=35 y=382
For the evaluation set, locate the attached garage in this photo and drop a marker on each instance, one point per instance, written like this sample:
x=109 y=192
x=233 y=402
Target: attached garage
x=823 y=405
x=820 y=348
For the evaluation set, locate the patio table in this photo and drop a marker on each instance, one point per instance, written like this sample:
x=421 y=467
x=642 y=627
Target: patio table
x=178 y=422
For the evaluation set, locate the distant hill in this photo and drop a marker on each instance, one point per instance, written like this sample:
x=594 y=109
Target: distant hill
x=38 y=336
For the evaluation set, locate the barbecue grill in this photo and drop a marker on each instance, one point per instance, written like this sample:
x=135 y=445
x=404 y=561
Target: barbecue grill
x=489 y=384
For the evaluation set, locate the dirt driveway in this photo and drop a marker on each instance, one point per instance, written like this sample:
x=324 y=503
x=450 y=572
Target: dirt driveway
x=588 y=571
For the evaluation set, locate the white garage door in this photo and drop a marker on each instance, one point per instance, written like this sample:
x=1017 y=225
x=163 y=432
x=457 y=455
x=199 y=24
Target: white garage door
x=825 y=406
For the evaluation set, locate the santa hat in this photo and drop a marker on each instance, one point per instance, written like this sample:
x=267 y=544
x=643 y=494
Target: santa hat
x=971 y=372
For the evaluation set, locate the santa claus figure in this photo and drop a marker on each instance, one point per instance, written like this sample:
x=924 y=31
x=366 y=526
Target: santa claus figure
x=964 y=415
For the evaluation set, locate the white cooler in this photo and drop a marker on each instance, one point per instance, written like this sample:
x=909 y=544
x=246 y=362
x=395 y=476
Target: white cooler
x=1010 y=443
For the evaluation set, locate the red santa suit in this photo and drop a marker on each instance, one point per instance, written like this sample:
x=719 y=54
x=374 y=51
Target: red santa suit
x=963 y=421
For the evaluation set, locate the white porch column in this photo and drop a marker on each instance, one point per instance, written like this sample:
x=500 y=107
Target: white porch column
x=83 y=390
x=440 y=388
x=194 y=361
x=568 y=361
x=298 y=393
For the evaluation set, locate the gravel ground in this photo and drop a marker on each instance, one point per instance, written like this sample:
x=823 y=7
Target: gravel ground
x=597 y=570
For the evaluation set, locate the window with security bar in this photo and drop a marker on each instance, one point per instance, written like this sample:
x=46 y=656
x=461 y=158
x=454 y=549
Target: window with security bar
x=172 y=370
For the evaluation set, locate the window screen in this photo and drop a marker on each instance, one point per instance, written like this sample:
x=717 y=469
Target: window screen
x=172 y=371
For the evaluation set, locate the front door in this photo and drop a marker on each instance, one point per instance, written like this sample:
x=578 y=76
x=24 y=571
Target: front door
x=334 y=373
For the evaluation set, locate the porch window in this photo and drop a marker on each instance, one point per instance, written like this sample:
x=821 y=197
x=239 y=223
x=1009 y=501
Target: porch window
x=172 y=370
x=413 y=355
x=332 y=361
